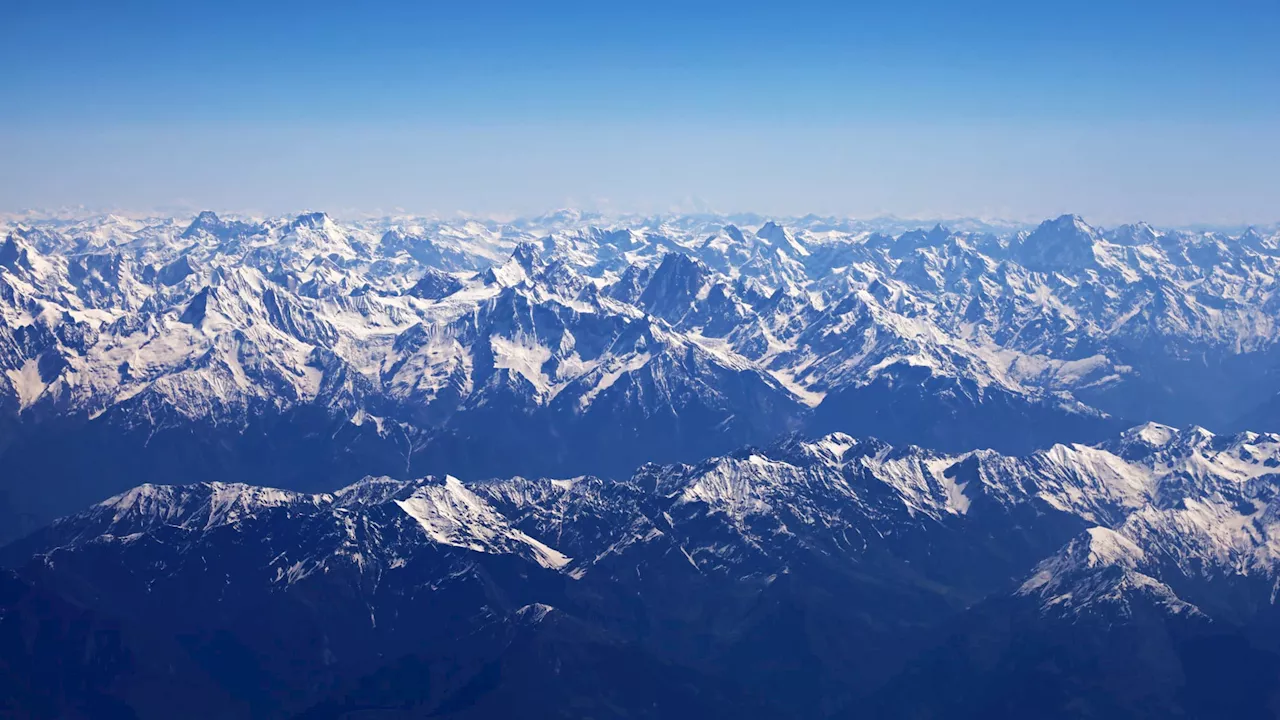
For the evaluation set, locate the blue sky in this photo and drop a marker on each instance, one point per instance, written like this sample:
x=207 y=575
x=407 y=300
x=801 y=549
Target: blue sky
x=1120 y=111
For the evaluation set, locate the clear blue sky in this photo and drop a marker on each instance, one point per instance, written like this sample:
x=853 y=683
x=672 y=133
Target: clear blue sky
x=1165 y=111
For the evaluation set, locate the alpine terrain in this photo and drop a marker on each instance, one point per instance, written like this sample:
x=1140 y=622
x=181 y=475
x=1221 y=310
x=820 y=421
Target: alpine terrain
x=681 y=466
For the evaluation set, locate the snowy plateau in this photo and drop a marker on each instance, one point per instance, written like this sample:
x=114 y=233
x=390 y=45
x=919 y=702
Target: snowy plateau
x=687 y=466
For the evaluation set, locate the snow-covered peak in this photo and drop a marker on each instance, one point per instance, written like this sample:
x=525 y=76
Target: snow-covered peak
x=779 y=237
x=832 y=448
x=204 y=506
x=1064 y=244
x=1151 y=434
x=675 y=286
x=1154 y=530
x=451 y=514
x=372 y=491
x=1135 y=234
x=15 y=253
x=441 y=511
x=1107 y=547
x=205 y=222
x=571 y=326
x=528 y=257
x=312 y=220
x=1101 y=571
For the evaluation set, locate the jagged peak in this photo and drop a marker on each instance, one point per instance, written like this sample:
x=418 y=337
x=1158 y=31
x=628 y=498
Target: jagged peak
x=672 y=261
x=1065 y=243
x=834 y=446
x=1069 y=225
x=1253 y=239
x=1097 y=547
x=675 y=284
x=210 y=503
x=205 y=219
x=313 y=220
x=376 y=490
x=527 y=255
x=14 y=252
x=208 y=222
x=779 y=237
x=435 y=284
x=1069 y=220
x=452 y=514
x=1101 y=568
x=1139 y=233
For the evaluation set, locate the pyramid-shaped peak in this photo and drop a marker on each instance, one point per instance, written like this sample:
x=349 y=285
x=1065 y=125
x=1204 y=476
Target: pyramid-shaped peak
x=779 y=237
x=677 y=280
x=528 y=255
x=1255 y=240
x=1063 y=244
x=207 y=221
x=197 y=308
x=676 y=264
x=1067 y=222
x=771 y=231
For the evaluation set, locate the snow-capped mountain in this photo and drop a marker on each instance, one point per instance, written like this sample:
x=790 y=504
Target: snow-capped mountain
x=307 y=352
x=804 y=468
x=875 y=551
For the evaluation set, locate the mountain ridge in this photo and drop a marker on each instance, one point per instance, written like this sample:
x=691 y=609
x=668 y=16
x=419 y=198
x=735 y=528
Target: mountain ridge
x=930 y=541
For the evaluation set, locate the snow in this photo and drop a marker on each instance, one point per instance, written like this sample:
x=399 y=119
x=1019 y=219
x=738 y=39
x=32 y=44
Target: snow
x=610 y=373
x=735 y=487
x=1107 y=547
x=313 y=310
x=957 y=500
x=1155 y=434
x=1189 y=508
x=836 y=445
x=831 y=332
x=524 y=357
x=452 y=515
x=808 y=396
x=27 y=383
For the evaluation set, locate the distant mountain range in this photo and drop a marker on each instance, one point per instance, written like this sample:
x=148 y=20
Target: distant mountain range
x=944 y=478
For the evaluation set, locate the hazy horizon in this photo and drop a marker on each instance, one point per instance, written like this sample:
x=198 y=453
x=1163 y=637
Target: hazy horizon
x=887 y=222
x=1157 y=112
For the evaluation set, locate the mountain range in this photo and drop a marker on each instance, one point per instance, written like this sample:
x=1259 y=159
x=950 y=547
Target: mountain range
x=835 y=577
x=683 y=466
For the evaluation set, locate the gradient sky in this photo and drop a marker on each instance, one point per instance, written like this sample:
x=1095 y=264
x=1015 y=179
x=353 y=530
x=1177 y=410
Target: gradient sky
x=1168 y=112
